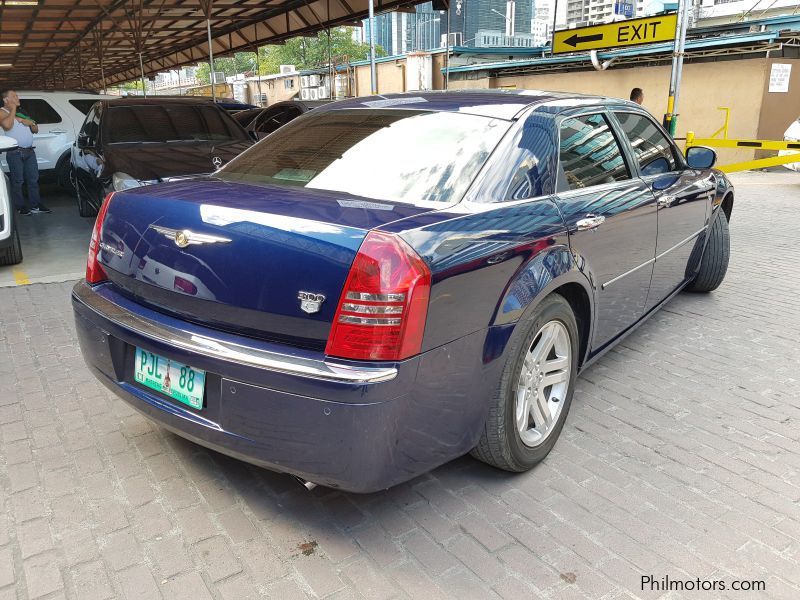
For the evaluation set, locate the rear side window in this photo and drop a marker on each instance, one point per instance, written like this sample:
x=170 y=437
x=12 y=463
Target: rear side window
x=589 y=153
x=652 y=149
x=527 y=161
x=169 y=123
x=39 y=110
x=387 y=154
x=83 y=105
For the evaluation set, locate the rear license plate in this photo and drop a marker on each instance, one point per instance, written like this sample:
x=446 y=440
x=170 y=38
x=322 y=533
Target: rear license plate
x=176 y=380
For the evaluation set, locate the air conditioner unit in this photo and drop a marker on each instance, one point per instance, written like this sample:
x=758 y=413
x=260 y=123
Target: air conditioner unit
x=262 y=97
x=305 y=94
x=323 y=92
x=219 y=77
x=304 y=81
x=287 y=69
x=313 y=94
x=313 y=81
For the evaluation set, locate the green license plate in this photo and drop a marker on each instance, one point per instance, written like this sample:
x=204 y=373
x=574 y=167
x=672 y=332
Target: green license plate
x=178 y=381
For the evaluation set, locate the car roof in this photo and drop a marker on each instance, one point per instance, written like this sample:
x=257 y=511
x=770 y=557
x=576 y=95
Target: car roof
x=500 y=104
x=156 y=100
x=66 y=93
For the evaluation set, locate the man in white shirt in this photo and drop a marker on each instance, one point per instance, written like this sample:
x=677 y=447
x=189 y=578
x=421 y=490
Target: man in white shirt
x=22 y=166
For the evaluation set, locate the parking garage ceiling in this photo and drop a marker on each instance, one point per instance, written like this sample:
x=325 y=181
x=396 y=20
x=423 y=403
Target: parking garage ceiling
x=58 y=44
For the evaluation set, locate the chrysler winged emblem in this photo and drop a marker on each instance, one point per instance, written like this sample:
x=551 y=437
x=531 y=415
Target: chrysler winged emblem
x=310 y=302
x=216 y=161
x=185 y=237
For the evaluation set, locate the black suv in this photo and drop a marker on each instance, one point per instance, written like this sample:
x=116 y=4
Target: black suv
x=131 y=142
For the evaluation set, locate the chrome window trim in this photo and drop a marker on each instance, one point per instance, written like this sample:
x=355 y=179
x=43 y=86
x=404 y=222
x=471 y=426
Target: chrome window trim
x=654 y=259
x=229 y=351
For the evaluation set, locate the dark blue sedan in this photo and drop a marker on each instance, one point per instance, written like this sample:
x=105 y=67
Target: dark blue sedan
x=388 y=283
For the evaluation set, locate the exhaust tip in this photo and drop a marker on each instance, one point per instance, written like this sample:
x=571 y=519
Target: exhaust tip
x=309 y=485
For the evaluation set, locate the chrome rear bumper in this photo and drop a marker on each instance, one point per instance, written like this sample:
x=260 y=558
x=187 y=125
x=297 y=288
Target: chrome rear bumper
x=222 y=350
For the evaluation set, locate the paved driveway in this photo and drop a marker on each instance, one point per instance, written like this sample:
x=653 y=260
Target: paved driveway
x=680 y=459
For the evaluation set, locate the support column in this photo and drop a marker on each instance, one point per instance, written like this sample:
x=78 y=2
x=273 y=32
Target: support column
x=372 y=73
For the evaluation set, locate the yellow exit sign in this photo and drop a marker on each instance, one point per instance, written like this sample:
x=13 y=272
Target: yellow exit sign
x=632 y=32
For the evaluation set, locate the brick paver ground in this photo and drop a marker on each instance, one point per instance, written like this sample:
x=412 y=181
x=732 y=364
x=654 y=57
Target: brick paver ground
x=680 y=458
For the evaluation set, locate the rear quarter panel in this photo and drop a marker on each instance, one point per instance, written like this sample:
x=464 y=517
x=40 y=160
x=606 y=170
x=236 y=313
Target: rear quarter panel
x=489 y=268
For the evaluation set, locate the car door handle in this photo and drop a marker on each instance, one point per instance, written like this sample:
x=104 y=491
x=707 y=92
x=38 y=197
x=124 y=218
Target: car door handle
x=590 y=222
x=58 y=131
x=666 y=201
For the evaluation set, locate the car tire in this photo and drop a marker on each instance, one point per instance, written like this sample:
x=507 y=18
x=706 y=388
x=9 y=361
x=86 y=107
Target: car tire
x=502 y=444
x=13 y=254
x=85 y=209
x=64 y=175
x=714 y=263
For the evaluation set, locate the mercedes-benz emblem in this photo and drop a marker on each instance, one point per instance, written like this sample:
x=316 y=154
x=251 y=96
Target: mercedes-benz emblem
x=216 y=161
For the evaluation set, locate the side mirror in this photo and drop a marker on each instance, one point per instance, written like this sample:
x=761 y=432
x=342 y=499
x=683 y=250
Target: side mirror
x=7 y=143
x=659 y=166
x=700 y=157
x=82 y=141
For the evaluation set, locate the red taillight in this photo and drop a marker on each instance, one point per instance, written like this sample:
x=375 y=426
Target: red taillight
x=184 y=285
x=94 y=270
x=381 y=314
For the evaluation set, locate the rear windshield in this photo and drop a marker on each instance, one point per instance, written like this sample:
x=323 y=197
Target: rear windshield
x=398 y=155
x=169 y=123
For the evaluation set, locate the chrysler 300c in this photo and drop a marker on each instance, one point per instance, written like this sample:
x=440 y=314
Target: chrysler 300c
x=385 y=284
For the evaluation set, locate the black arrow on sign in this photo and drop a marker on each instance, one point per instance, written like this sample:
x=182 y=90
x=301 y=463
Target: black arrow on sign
x=576 y=39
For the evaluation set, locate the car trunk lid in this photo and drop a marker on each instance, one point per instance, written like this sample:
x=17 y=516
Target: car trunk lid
x=264 y=261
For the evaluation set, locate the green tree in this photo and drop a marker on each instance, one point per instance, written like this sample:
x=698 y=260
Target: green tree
x=312 y=52
x=230 y=65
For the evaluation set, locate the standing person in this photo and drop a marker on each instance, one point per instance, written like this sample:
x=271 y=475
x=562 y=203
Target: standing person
x=637 y=95
x=22 y=166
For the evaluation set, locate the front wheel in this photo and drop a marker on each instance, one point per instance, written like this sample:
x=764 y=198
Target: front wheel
x=12 y=255
x=535 y=391
x=714 y=264
x=82 y=194
x=64 y=175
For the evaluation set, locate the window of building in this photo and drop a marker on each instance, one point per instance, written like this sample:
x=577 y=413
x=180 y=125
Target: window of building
x=589 y=153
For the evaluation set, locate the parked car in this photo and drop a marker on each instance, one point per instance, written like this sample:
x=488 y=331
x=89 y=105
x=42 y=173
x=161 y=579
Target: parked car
x=131 y=142
x=59 y=116
x=260 y=122
x=10 y=247
x=400 y=281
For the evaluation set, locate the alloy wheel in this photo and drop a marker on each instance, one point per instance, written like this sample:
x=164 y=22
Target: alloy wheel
x=543 y=383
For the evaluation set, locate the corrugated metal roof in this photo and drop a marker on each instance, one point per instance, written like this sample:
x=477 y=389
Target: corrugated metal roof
x=666 y=47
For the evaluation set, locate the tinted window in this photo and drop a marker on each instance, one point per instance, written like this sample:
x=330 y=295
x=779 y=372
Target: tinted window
x=39 y=110
x=652 y=149
x=273 y=120
x=83 y=105
x=589 y=153
x=401 y=155
x=529 y=158
x=169 y=123
x=91 y=127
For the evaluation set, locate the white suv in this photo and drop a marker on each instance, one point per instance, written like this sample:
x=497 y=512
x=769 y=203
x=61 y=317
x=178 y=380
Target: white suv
x=59 y=116
x=10 y=249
